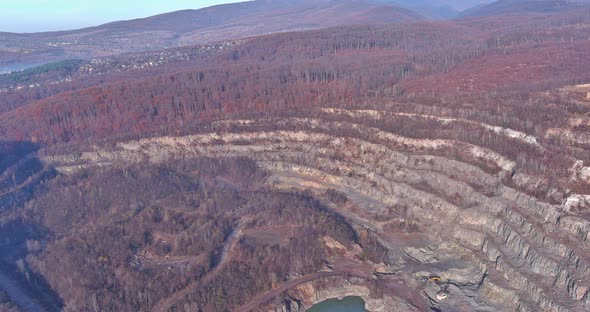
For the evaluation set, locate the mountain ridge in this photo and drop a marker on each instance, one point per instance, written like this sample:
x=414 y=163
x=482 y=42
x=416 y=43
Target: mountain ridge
x=515 y=7
x=191 y=27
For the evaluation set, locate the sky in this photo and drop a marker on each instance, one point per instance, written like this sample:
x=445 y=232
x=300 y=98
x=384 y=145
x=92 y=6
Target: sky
x=49 y=15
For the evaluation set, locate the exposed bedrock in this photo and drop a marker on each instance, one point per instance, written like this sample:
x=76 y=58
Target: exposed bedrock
x=493 y=243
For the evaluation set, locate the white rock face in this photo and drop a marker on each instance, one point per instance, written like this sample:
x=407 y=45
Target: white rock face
x=529 y=139
x=584 y=174
x=577 y=203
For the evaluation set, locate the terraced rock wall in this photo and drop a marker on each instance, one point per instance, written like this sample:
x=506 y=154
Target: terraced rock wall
x=500 y=235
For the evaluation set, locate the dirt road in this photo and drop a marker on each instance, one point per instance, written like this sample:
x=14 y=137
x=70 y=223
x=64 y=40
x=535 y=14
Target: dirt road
x=225 y=257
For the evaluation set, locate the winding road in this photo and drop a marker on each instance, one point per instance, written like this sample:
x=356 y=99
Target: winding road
x=260 y=300
x=231 y=241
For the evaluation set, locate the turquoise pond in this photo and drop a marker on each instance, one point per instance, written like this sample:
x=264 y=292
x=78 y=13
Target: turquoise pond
x=348 y=304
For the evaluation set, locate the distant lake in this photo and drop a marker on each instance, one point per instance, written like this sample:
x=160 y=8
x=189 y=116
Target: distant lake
x=348 y=304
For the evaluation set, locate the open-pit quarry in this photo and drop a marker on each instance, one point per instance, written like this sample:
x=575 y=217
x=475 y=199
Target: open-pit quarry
x=463 y=228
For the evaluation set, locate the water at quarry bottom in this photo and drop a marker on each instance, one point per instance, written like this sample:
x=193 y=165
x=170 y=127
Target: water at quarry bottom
x=348 y=304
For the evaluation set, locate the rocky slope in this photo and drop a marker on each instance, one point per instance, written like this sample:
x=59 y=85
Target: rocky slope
x=443 y=208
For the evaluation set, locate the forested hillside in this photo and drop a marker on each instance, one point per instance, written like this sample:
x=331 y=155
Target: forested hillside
x=343 y=66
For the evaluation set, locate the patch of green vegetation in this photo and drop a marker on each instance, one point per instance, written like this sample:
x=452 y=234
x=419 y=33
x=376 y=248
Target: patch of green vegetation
x=59 y=68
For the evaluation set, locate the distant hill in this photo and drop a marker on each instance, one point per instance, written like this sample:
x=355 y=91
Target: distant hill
x=438 y=9
x=190 y=27
x=505 y=7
